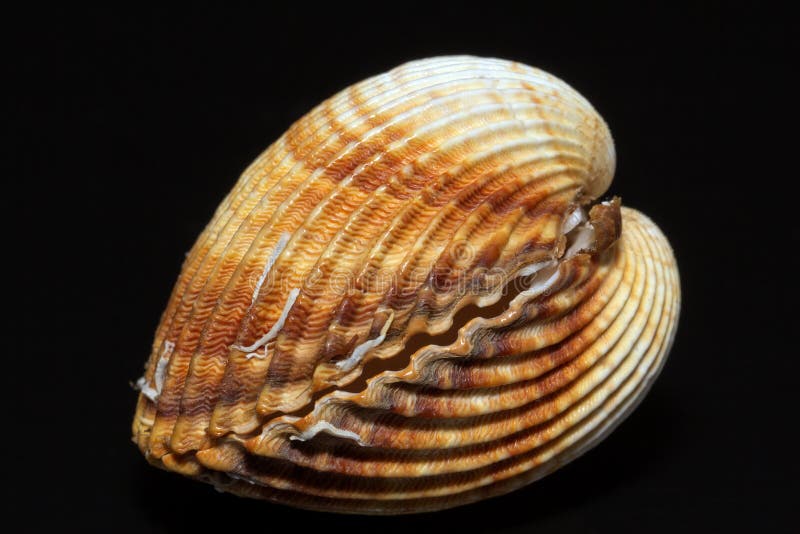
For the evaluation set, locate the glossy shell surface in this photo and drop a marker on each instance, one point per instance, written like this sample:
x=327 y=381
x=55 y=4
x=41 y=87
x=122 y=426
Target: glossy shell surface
x=414 y=299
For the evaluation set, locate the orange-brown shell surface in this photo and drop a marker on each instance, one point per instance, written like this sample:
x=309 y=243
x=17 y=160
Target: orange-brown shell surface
x=414 y=299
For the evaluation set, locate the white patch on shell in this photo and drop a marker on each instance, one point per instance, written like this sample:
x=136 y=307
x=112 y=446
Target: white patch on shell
x=273 y=257
x=153 y=393
x=538 y=286
x=583 y=240
x=257 y=355
x=362 y=349
x=161 y=367
x=324 y=426
x=535 y=268
x=546 y=273
x=146 y=390
x=273 y=332
x=576 y=217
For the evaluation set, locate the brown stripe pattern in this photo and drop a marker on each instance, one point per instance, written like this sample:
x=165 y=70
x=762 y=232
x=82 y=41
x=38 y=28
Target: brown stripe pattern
x=412 y=300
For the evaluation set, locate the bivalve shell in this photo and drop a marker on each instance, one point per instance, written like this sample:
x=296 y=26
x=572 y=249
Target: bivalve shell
x=412 y=300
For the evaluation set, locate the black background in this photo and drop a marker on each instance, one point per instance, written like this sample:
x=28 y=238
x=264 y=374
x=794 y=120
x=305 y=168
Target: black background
x=129 y=126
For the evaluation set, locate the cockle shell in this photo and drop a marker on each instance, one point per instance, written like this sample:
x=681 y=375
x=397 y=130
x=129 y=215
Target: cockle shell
x=412 y=300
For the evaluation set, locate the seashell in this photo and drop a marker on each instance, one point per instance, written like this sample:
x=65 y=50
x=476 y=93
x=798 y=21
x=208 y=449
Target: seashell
x=412 y=300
